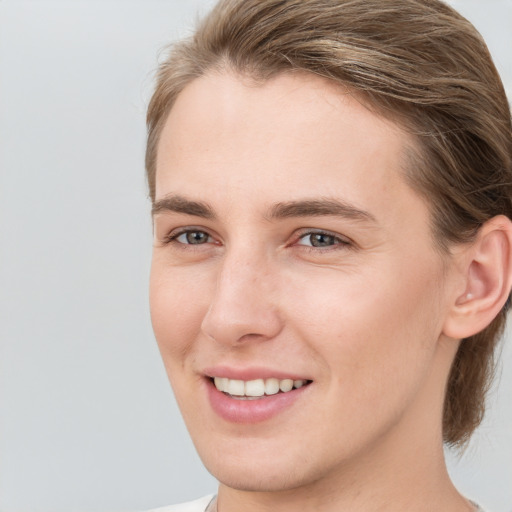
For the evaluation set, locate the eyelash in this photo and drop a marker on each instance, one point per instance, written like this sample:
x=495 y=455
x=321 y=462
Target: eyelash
x=172 y=238
x=339 y=242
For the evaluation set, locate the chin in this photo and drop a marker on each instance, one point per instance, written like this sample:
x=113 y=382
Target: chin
x=254 y=478
x=258 y=466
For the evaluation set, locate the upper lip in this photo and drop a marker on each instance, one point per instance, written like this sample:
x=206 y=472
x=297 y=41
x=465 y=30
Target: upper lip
x=251 y=373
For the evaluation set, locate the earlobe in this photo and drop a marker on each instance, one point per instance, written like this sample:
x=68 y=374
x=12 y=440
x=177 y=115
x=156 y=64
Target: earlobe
x=487 y=278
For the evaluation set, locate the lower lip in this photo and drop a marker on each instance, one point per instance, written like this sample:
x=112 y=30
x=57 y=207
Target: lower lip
x=251 y=411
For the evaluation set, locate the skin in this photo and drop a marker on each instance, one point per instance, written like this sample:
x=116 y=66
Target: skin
x=363 y=316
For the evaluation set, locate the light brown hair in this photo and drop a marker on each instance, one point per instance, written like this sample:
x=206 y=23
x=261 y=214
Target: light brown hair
x=417 y=62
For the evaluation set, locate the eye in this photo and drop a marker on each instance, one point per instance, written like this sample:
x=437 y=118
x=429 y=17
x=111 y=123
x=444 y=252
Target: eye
x=321 y=239
x=191 y=237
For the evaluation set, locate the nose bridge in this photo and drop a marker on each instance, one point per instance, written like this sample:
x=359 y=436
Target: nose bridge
x=243 y=305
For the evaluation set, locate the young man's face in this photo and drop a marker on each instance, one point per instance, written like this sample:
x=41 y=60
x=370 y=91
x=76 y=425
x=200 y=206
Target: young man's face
x=288 y=247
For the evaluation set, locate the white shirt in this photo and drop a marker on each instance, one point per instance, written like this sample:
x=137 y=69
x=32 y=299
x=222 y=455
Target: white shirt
x=191 y=506
x=201 y=505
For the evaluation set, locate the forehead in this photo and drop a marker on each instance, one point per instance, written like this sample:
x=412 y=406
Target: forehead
x=292 y=136
x=222 y=107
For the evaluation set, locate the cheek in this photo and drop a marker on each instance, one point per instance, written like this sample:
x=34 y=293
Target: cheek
x=373 y=329
x=177 y=308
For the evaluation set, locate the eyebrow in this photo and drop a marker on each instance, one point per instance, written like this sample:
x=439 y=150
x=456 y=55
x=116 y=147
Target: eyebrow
x=283 y=210
x=180 y=204
x=319 y=208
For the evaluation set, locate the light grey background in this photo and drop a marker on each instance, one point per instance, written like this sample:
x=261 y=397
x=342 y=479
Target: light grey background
x=87 y=419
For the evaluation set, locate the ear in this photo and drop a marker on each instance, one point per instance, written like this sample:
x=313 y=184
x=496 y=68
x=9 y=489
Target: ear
x=487 y=280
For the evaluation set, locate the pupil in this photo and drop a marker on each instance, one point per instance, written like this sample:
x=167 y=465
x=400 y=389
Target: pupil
x=321 y=240
x=197 y=237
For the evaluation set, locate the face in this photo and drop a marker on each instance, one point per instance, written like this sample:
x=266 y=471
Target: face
x=296 y=294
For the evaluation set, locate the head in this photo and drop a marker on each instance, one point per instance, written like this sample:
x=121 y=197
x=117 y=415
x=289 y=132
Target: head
x=419 y=64
x=419 y=67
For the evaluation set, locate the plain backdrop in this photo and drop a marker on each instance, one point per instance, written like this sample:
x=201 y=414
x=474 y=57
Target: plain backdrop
x=87 y=419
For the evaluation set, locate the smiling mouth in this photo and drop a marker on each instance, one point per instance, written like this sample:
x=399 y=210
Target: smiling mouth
x=257 y=388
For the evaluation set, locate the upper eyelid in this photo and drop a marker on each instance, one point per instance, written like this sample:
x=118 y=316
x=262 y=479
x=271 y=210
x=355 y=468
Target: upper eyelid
x=296 y=235
x=179 y=235
x=185 y=229
x=318 y=231
x=175 y=233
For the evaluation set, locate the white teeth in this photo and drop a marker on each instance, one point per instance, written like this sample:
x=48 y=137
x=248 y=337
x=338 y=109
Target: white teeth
x=257 y=387
x=221 y=383
x=286 y=385
x=271 y=386
x=236 y=387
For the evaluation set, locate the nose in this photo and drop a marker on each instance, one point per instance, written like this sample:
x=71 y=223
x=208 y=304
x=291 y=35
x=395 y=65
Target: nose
x=243 y=306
